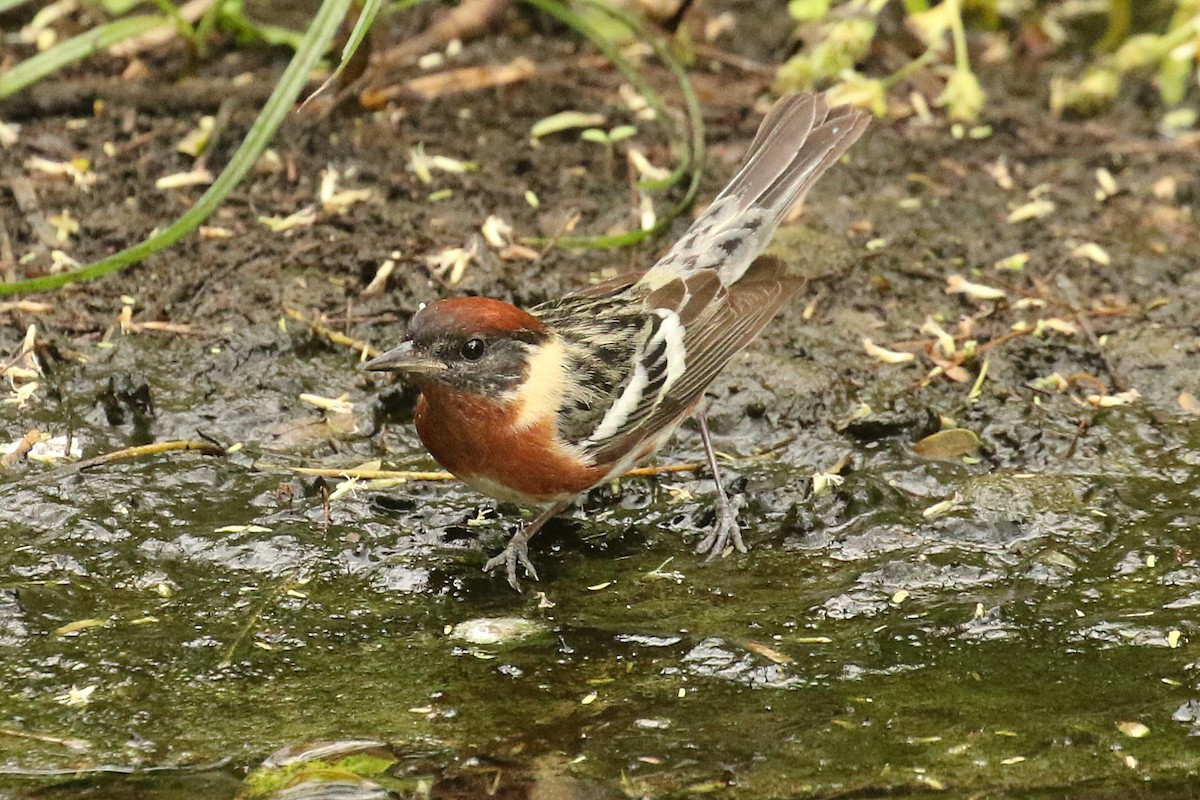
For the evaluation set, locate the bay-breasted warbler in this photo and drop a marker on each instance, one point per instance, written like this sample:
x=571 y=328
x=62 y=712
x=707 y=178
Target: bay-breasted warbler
x=539 y=406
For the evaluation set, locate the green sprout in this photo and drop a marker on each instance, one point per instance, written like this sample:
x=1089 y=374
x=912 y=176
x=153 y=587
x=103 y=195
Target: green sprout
x=837 y=36
x=609 y=140
x=963 y=97
x=1166 y=55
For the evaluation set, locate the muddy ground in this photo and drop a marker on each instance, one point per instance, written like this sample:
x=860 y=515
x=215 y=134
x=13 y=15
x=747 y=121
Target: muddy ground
x=1016 y=621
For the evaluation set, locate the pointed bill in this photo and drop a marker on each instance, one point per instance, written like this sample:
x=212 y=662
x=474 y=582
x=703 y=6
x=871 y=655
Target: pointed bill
x=404 y=359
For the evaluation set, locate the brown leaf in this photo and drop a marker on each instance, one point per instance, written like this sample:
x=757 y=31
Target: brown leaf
x=957 y=374
x=948 y=444
x=455 y=81
x=1189 y=403
x=769 y=653
x=21 y=449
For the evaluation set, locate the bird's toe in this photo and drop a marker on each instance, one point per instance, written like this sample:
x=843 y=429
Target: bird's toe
x=725 y=530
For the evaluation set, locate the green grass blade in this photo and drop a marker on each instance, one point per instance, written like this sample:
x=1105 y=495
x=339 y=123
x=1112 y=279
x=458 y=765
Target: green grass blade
x=366 y=17
x=75 y=49
x=692 y=158
x=118 y=8
x=581 y=25
x=9 y=5
x=312 y=48
x=690 y=148
x=231 y=18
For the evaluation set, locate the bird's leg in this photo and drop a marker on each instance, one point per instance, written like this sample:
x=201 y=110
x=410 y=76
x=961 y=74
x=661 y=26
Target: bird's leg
x=517 y=549
x=725 y=528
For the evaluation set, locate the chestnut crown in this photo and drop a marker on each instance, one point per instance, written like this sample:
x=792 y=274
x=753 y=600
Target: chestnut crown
x=473 y=344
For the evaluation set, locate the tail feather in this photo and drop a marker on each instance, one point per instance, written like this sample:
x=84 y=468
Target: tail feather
x=780 y=136
x=824 y=145
x=800 y=138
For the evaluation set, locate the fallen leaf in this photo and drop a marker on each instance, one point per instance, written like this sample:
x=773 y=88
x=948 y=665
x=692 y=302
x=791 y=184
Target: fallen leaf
x=1031 y=210
x=564 y=121
x=885 y=355
x=1092 y=252
x=957 y=284
x=301 y=219
x=1016 y=261
x=943 y=507
x=1113 y=400
x=79 y=626
x=769 y=653
x=1134 y=730
x=949 y=444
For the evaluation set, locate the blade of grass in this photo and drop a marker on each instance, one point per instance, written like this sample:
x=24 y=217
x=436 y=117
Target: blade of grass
x=691 y=149
x=609 y=50
x=366 y=16
x=692 y=159
x=1120 y=17
x=685 y=153
x=231 y=17
x=119 y=8
x=313 y=46
x=206 y=25
x=75 y=49
x=9 y=5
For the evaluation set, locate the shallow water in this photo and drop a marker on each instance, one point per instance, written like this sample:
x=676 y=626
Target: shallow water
x=167 y=623
x=1021 y=622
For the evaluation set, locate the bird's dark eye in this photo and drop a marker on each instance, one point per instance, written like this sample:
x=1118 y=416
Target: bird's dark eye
x=472 y=349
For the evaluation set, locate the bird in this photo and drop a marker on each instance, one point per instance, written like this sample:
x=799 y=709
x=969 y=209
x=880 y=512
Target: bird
x=538 y=406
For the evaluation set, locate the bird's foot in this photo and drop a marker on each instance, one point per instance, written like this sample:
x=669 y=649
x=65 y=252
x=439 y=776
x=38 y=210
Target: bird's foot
x=515 y=552
x=725 y=529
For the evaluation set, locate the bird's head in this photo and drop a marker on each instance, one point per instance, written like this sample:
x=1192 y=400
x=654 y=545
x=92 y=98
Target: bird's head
x=472 y=344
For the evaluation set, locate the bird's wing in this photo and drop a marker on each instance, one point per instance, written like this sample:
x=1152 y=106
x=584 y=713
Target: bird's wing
x=638 y=357
x=800 y=138
x=686 y=332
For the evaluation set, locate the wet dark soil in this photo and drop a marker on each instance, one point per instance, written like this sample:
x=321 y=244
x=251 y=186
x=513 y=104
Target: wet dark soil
x=994 y=623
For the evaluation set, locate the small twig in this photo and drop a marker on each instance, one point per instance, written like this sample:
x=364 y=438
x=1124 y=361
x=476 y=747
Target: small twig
x=152 y=450
x=8 y=259
x=650 y=472
x=410 y=475
x=332 y=335
x=732 y=60
x=1080 y=430
x=70 y=97
x=282 y=588
x=567 y=227
x=119 y=455
x=372 y=474
x=1085 y=324
x=326 y=511
x=774 y=448
x=451 y=82
x=220 y=123
x=26 y=307
x=69 y=741
x=12 y=362
x=77 y=771
x=466 y=21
